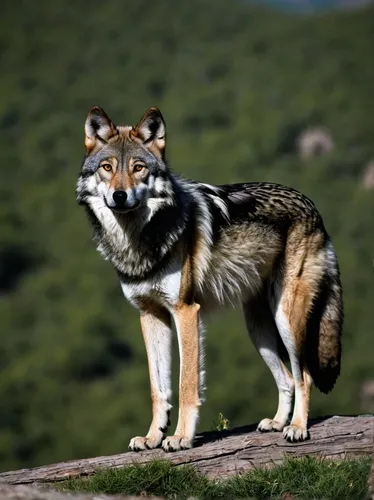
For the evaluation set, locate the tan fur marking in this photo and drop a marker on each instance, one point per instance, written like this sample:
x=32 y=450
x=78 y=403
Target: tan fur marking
x=156 y=149
x=131 y=164
x=186 y=315
x=122 y=180
x=304 y=265
x=300 y=415
x=134 y=134
x=201 y=256
x=296 y=306
x=304 y=268
x=187 y=282
x=89 y=144
x=187 y=320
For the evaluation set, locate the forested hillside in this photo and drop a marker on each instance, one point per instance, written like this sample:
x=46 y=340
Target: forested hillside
x=308 y=6
x=237 y=86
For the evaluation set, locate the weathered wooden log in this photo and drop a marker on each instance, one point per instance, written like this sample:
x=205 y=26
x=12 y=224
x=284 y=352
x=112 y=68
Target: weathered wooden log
x=221 y=454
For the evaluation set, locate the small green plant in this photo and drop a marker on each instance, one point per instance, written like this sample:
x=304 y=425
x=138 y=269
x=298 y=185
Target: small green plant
x=223 y=423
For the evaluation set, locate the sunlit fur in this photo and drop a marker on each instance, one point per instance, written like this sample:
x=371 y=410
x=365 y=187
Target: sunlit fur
x=182 y=247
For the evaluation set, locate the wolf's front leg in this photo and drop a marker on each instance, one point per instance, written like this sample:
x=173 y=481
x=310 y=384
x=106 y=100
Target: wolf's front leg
x=190 y=345
x=156 y=329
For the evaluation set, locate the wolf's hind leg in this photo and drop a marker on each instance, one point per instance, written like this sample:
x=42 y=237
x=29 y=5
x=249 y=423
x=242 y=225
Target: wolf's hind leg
x=293 y=340
x=263 y=332
x=294 y=295
x=157 y=333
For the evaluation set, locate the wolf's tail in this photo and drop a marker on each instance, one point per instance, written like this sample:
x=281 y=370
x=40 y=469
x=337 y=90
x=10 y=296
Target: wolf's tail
x=324 y=327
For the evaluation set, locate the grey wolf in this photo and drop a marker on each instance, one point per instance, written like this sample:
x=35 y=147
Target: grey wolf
x=182 y=247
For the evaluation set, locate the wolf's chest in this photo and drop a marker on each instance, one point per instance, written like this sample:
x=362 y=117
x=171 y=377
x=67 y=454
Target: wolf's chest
x=163 y=289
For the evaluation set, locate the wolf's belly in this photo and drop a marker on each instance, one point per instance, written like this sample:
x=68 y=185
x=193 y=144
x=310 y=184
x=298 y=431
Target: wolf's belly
x=230 y=285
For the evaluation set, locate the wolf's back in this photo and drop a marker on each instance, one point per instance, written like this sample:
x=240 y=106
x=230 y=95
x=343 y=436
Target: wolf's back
x=324 y=327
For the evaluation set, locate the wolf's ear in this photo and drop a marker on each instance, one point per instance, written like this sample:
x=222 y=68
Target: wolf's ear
x=99 y=128
x=151 y=131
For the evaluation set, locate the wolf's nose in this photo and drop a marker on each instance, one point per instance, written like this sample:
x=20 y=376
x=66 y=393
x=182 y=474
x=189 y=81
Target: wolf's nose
x=120 y=197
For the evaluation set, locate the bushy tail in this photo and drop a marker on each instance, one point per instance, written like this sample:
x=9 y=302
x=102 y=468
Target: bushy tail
x=324 y=328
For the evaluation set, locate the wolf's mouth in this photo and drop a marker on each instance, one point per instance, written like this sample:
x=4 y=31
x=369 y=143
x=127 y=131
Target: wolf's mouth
x=123 y=210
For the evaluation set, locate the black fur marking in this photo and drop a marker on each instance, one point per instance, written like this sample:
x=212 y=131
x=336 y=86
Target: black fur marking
x=96 y=123
x=300 y=270
x=101 y=139
x=159 y=266
x=271 y=204
x=82 y=197
x=169 y=217
x=219 y=220
x=153 y=123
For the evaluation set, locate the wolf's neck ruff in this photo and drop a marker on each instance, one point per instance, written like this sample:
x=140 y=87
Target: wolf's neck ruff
x=139 y=242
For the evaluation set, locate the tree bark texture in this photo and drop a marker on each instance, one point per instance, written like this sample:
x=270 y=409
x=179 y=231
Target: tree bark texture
x=222 y=454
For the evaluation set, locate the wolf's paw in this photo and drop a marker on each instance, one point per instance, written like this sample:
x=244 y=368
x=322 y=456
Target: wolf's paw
x=139 y=443
x=176 y=443
x=294 y=433
x=267 y=425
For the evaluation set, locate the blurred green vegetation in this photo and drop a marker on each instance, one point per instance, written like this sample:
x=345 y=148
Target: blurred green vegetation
x=236 y=85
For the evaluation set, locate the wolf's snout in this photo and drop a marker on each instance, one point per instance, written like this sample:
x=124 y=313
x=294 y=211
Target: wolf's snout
x=120 y=198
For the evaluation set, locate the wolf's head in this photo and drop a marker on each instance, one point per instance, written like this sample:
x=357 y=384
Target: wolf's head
x=124 y=167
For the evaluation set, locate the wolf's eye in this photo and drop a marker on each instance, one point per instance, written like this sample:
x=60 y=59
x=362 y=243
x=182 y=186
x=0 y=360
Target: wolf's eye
x=107 y=167
x=138 y=167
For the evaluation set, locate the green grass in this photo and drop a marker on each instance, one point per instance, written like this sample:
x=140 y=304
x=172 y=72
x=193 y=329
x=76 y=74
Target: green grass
x=307 y=478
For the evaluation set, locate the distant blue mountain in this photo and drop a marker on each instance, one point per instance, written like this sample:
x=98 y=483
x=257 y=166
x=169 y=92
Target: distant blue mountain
x=314 y=5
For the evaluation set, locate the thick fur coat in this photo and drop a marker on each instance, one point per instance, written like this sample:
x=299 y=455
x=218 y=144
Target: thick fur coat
x=181 y=247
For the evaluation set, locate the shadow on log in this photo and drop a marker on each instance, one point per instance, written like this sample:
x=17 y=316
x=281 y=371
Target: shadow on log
x=221 y=454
